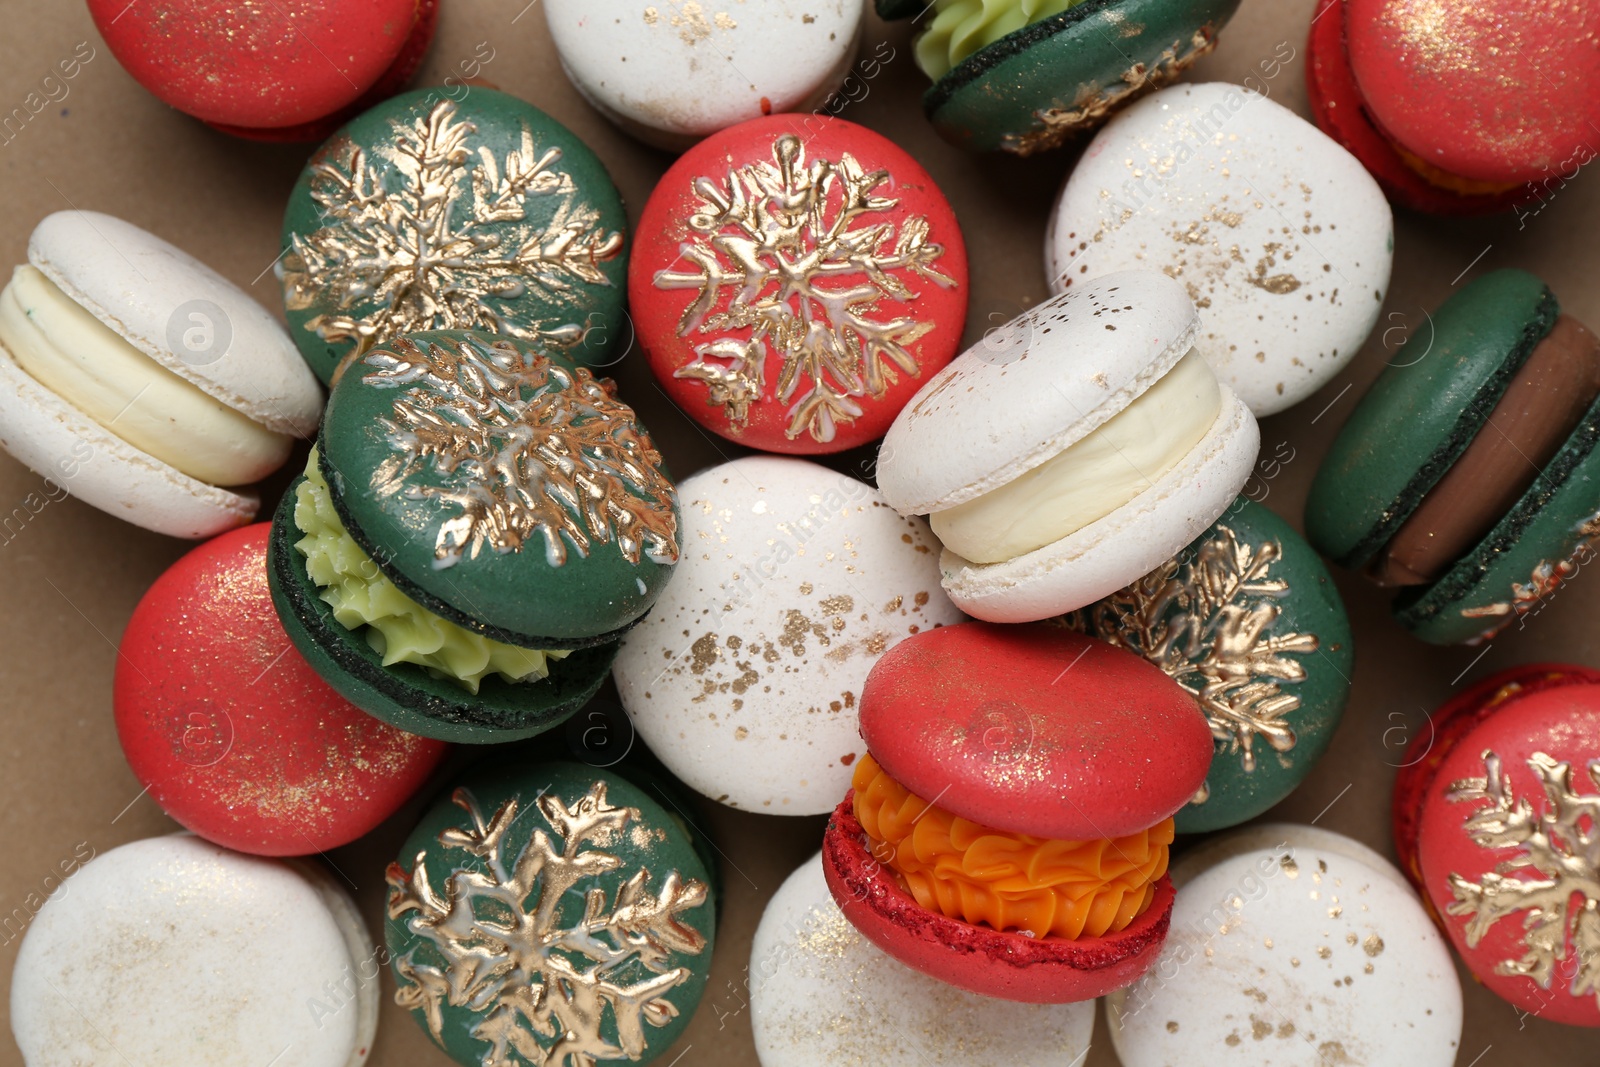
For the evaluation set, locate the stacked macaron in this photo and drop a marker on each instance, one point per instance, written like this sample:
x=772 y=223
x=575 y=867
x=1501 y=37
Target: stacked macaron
x=1466 y=474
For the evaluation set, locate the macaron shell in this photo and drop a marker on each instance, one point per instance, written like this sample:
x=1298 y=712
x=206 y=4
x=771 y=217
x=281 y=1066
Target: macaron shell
x=999 y=964
x=1280 y=838
x=1490 y=92
x=1314 y=957
x=1043 y=381
x=1035 y=730
x=549 y=860
x=822 y=993
x=696 y=306
x=1422 y=412
x=672 y=77
x=282 y=63
x=55 y=440
x=223 y=921
x=746 y=678
x=516 y=559
x=1039 y=86
x=232 y=732
x=405 y=695
x=182 y=314
x=1510 y=576
x=1199 y=181
x=1504 y=854
x=343 y=251
x=1340 y=113
x=1247 y=619
x=1111 y=552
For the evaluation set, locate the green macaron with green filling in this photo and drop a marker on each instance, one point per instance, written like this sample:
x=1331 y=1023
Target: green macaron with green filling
x=479 y=523
x=1026 y=75
x=1248 y=621
x=1468 y=476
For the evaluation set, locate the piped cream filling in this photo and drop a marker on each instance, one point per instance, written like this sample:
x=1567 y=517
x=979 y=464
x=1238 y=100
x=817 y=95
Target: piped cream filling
x=396 y=627
x=962 y=27
x=66 y=349
x=1092 y=477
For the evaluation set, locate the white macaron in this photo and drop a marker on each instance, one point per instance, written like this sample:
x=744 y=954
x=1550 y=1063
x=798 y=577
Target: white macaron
x=174 y=950
x=673 y=73
x=1293 y=945
x=746 y=676
x=1280 y=236
x=820 y=993
x=1070 y=451
x=143 y=382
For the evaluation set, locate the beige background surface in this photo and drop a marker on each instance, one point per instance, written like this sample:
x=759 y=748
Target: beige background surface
x=71 y=576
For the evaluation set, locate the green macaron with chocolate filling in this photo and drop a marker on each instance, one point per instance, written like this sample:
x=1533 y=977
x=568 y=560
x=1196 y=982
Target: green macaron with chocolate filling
x=1026 y=75
x=1247 y=620
x=479 y=523
x=1468 y=475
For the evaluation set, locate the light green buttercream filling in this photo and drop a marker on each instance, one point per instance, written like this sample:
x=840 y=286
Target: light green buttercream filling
x=961 y=27
x=397 y=627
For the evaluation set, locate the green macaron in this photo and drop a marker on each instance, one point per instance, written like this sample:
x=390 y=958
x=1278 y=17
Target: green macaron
x=552 y=913
x=430 y=213
x=1468 y=475
x=1026 y=75
x=478 y=525
x=1248 y=621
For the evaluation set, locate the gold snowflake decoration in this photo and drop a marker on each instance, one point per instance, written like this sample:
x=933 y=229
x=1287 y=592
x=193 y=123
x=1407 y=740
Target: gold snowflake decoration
x=788 y=250
x=1528 y=597
x=1557 y=859
x=544 y=990
x=1206 y=620
x=406 y=251
x=526 y=447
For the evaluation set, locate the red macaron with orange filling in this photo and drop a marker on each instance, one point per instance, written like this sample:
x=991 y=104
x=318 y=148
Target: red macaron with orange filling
x=1007 y=831
x=1459 y=108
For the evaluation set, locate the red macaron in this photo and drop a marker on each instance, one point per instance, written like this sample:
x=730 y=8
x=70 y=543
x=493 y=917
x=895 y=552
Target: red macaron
x=1458 y=108
x=1027 y=772
x=1497 y=821
x=294 y=70
x=794 y=280
x=234 y=735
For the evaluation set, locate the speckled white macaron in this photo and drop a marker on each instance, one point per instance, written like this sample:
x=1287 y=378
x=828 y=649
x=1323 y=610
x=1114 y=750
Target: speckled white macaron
x=820 y=993
x=671 y=73
x=143 y=382
x=1071 y=451
x=1281 y=238
x=745 y=677
x=1305 y=950
x=174 y=950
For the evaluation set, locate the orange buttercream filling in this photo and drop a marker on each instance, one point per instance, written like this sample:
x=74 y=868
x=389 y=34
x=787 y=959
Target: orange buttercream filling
x=1008 y=881
x=1443 y=179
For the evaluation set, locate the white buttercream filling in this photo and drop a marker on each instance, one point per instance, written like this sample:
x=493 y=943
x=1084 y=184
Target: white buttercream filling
x=1092 y=477
x=66 y=349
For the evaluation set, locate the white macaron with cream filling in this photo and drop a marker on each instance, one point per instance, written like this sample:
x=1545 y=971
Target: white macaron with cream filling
x=821 y=993
x=174 y=950
x=1071 y=451
x=143 y=382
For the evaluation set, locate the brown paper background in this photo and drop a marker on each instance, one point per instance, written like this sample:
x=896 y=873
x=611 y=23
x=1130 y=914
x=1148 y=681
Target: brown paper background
x=71 y=576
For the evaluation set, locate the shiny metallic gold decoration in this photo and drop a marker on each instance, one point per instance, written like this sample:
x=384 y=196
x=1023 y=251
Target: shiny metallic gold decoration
x=543 y=990
x=769 y=242
x=1527 y=598
x=1059 y=125
x=1557 y=858
x=523 y=447
x=404 y=250
x=1206 y=620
